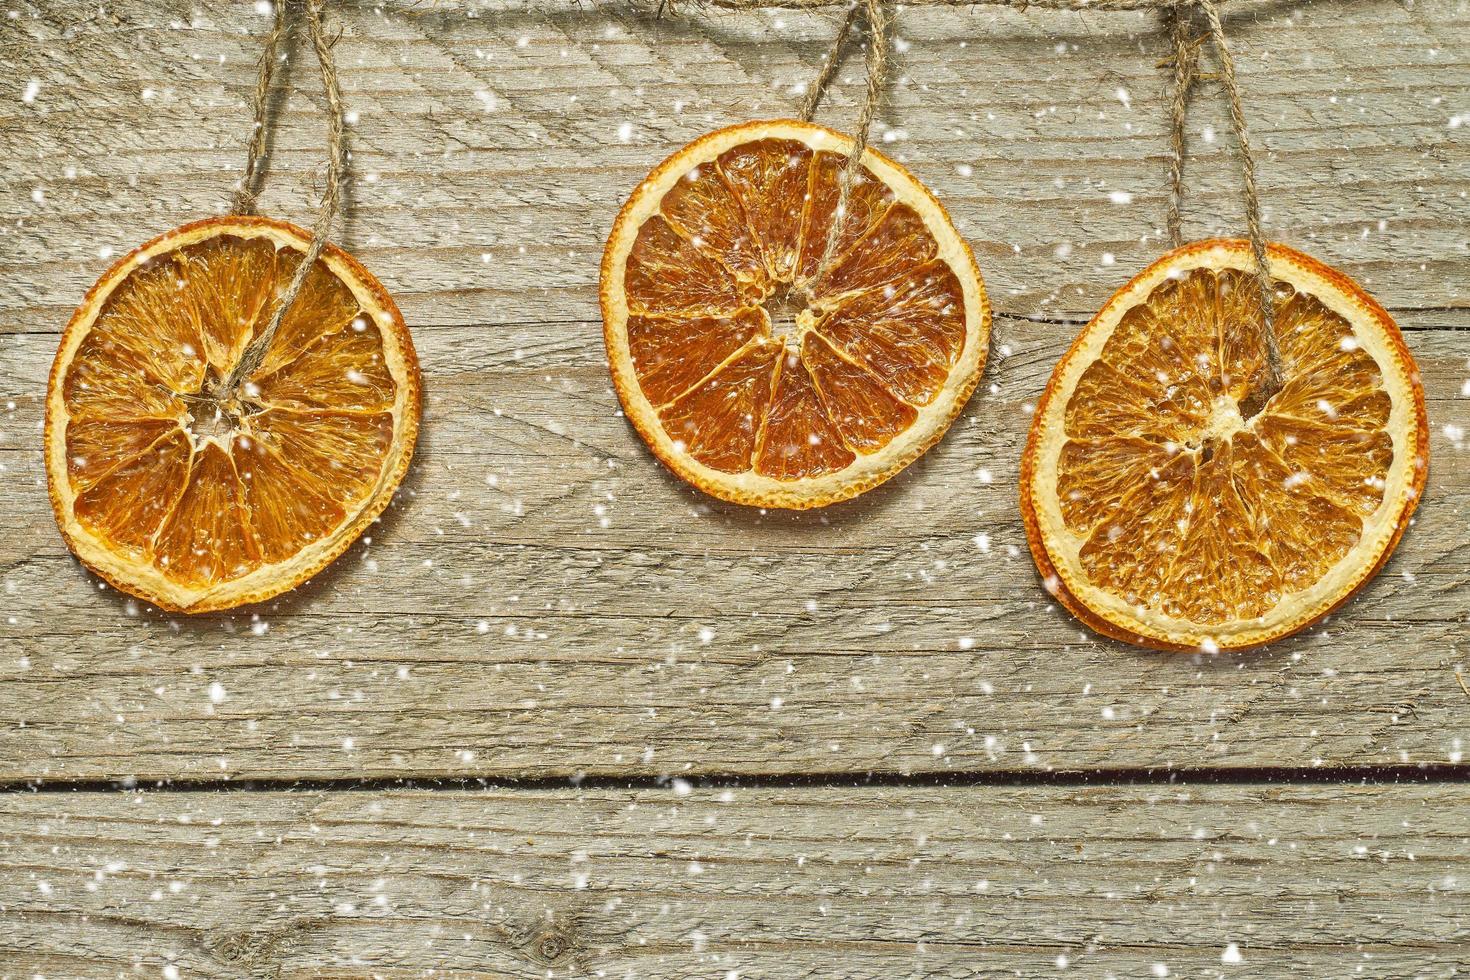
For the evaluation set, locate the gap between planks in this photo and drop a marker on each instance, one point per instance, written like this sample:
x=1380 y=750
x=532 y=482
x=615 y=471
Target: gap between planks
x=1017 y=778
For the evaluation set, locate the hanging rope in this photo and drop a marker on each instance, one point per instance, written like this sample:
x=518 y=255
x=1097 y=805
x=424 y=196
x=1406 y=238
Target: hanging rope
x=877 y=22
x=1186 y=74
x=1186 y=58
x=254 y=354
x=1272 y=382
x=248 y=190
x=829 y=65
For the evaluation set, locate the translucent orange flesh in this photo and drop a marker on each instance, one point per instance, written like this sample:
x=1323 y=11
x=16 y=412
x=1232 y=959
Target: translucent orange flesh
x=206 y=496
x=1187 y=508
x=746 y=236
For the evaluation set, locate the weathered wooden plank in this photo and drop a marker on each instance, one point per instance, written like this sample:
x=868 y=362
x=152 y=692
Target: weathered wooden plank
x=706 y=882
x=543 y=598
x=492 y=148
x=586 y=613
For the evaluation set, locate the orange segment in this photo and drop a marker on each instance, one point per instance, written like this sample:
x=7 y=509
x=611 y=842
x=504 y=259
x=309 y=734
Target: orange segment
x=1344 y=465
x=1237 y=322
x=288 y=508
x=1125 y=402
x=899 y=242
x=1130 y=556
x=716 y=422
x=303 y=471
x=667 y=275
x=126 y=506
x=868 y=200
x=1315 y=533
x=232 y=285
x=101 y=386
x=324 y=306
x=148 y=331
x=770 y=178
x=196 y=494
x=1096 y=474
x=800 y=439
x=673 y=355
x=337 y=455
x=207 y=537
x=763 y=369
x=1163 y=509
x=96 y=445
x=866 y=413
x=345 y=369
x=704 y=209
x=1219 y=574
x=909 y=332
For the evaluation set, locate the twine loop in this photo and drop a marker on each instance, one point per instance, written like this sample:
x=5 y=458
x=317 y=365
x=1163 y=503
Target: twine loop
x=245 y=196
x=877 y=22
x=1186 y=74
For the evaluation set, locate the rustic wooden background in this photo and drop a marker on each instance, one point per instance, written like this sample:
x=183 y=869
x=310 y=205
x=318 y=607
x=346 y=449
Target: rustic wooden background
x=649 y=734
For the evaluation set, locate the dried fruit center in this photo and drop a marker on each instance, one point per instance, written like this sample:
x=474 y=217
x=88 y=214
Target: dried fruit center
x=1184 y=505
x=760 y=356
x=207 y=490
x=790 y=313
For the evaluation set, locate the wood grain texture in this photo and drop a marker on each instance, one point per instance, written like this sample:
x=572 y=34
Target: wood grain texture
x=692 y=882
x=543 y=598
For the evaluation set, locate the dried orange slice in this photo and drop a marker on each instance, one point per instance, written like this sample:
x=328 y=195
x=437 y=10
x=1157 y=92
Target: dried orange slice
x=194 y=503
x=767 y=360
x=1162 y=511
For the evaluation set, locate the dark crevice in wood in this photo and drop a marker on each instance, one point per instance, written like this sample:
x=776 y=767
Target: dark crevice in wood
x=1193 y=776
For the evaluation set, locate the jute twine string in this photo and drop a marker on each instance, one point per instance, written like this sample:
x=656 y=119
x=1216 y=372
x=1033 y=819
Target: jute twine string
x=877 y=65
x=254 y=354
x=1272 y=381
x=1186 y=74
x=829 y=65
x=1186 y=58
x=245 y=196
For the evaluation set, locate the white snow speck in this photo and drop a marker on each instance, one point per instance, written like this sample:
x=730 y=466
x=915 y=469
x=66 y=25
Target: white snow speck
x=1231 y=954
x=217 y=693
x=33 y=88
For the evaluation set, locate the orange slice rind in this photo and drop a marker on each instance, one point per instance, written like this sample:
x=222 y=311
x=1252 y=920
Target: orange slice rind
x=1160 y=514
x=198 y=504
x=764 y=366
